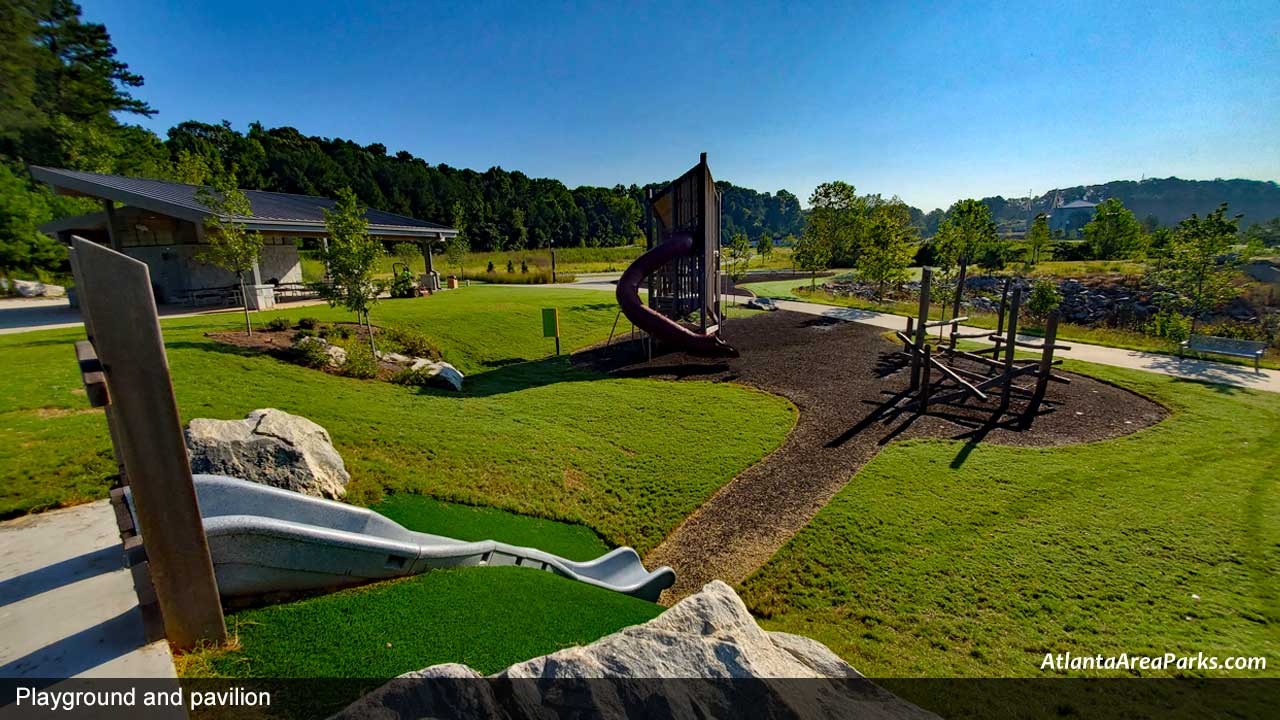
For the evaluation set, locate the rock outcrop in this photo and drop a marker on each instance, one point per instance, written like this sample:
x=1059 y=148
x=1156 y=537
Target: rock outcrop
x=271 y=447
x=33 y=288
x=336 y=355
x=704 y=657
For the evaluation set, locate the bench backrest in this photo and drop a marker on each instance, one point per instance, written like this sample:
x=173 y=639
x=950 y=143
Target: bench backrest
x=1213 y=343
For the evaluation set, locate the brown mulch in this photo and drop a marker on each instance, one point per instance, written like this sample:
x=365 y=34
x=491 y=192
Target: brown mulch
x=843 y=377
x=279 y=344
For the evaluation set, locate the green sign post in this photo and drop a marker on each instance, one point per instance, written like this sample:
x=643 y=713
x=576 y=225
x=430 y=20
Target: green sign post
x=551 y=325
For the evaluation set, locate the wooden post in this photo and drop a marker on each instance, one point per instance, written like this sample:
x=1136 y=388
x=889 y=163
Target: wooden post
x=87 y=365
x=926 y=281
x=924 y=384
x=120 y=315
x=110 y=209
x=1004 y=299
x=1010 y=346
x=911 y=331
x=955 y=303
x=1046 y=364
x=553 y=266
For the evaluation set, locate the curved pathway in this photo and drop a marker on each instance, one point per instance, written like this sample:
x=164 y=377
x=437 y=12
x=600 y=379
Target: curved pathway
x=840 y=375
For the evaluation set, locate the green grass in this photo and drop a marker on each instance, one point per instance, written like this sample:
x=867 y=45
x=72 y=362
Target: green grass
x=487 y=618
x=470 y=523
x=568 y=260
x=530 y=433
x=942 y=560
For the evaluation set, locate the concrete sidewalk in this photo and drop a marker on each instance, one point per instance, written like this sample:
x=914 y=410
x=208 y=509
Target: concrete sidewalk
x=28 y=315
x=67 y=603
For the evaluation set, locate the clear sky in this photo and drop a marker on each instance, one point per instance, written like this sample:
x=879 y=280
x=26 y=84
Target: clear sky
x=929 y=101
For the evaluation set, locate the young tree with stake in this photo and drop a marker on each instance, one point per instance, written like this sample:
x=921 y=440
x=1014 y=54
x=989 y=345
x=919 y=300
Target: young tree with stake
x=232 y=246
x=351 y=258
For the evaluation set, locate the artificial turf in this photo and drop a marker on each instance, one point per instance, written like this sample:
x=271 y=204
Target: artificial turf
x=530 y=434
x=944 y=560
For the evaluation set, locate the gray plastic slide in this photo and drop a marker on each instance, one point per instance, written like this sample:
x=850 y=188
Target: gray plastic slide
x=265 y=539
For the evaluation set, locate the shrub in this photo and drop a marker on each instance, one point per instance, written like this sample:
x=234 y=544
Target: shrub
x=490 y=268
x=535 y=276
x=410 y=342
x=403 y=285
x=303 y=334
x=311 y=354
x=360 y=362
x=414 y=378
x=1170 y=325
x=1044 y=298
x=340 y=332
x=308 y=323
x=524 y=267
x=278 y=323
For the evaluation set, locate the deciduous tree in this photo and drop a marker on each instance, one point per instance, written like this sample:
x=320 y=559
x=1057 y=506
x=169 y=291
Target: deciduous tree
x=887 y=253
x=1200 y=266
x=232 y=246
x=351 y=258
x=1039 y=242
x=1114 y=232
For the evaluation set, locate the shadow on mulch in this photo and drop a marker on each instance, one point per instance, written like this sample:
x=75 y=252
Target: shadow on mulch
x=845 y=378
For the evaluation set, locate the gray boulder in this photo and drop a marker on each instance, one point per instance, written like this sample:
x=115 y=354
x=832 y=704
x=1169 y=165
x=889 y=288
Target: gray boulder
x=337 y=355
x=270 y=447
x=745 y=672
x=442 y=373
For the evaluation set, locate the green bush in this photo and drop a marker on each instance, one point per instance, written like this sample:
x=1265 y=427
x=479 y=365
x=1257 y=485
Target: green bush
x=308 y=323
x=414 y=378
x=339 y=332
x=410 y=342
x=278 y=323
x=311 y=354
x=1170 y=325
x=303 y=334
x=360 y=362
x=1044 y=298
x=403 y=285
x=511 y=267
x=490 y=269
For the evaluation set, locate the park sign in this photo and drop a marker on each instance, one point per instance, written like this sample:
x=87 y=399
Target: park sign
x=551 y=325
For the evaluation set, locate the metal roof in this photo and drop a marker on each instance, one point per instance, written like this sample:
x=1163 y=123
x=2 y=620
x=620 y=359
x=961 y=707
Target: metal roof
x=1078 y=204
x=272 y=211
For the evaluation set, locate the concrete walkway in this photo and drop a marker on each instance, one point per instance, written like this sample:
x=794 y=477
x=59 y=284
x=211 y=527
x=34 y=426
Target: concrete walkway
x=1188 y=368
x=29 y=314
x=67 y=603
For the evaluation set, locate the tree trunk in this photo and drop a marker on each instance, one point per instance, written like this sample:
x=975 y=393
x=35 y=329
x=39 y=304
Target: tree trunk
x=369 y=326
x=244 y=296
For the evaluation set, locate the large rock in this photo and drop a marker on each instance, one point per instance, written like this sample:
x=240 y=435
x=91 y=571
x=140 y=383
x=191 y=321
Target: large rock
x=271 y=447
x=34 y=288
x=440 y=372
x=337 y=356
x=637 y=672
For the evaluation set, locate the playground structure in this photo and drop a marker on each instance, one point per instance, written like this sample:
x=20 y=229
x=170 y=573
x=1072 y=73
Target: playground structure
x=983 y=374
x=191 y=541
x=680 y=268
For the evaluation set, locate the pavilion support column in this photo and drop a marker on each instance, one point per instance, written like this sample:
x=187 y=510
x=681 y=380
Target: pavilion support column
x=257 y=295
x=110 y=209
x=430 y=279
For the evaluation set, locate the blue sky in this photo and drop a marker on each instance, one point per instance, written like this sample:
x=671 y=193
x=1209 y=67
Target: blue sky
x=929 y=101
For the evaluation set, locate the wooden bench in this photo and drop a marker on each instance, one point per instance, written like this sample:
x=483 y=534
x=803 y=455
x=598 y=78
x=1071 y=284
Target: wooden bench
x=1225 y=346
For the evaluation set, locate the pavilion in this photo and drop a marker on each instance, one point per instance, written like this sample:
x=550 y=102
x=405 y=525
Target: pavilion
x=162 y=224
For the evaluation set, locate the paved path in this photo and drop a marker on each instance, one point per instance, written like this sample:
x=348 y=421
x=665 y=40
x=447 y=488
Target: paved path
x=27 y=315
x=67 y=603
x=1188 y=368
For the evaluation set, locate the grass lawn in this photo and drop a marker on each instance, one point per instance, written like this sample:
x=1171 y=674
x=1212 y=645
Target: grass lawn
x=1109 y=337
x=530 y=434
x=942 y=561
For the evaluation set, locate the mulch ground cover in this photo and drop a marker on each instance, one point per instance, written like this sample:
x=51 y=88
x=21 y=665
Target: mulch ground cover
x=843 y=377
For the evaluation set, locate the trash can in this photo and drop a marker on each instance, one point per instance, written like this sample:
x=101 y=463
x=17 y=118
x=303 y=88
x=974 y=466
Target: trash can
x=453 y=282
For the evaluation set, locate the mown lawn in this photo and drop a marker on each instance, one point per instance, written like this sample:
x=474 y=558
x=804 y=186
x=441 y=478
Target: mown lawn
x=941 y=560
x=530 y=434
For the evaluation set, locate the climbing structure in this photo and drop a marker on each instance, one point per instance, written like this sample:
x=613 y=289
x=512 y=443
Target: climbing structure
x=681 y=268
x=989 y=375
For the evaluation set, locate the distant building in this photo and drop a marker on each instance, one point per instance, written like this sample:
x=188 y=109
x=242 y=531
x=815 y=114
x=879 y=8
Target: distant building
x=1072 y=217
x=163 y=225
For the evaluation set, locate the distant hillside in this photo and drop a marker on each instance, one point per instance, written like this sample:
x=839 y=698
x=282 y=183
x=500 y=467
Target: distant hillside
x=1168 y=199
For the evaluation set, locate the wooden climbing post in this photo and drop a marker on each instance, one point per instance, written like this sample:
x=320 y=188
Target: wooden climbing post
x=124 y=331
x=955 y=302
x=1046 y=364
x=926 y=366
x=1010 y=345
x=926 y=280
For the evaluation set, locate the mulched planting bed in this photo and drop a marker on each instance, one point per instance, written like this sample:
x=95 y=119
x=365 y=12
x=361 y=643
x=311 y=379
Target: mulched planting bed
x=840 y=375
x=279 y=344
